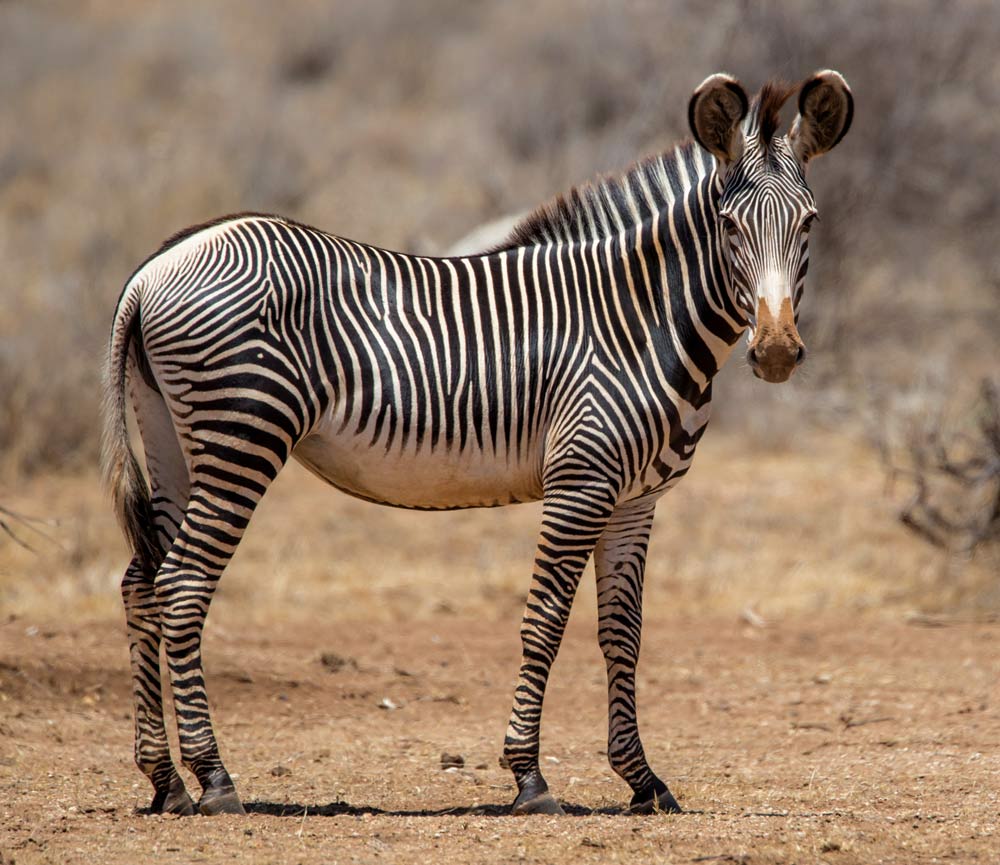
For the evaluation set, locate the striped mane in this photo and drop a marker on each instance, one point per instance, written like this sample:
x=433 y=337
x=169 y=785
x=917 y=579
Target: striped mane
x=594 y=210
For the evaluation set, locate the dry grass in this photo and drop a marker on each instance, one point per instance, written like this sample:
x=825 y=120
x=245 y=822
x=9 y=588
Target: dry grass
x=802 y=527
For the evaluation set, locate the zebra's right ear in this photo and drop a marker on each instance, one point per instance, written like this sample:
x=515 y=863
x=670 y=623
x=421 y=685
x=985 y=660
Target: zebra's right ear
x=716 y=110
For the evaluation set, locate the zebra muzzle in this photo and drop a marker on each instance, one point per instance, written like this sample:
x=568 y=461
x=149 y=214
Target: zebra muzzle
x=776 y=349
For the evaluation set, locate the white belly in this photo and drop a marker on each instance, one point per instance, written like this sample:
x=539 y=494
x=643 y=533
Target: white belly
x=420 y=478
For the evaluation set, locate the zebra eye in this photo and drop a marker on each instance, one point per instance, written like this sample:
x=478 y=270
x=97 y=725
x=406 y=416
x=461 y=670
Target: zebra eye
x=728 y=223
x=807 y=223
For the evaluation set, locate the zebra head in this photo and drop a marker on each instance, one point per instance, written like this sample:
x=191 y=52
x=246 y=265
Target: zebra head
x=766 y=207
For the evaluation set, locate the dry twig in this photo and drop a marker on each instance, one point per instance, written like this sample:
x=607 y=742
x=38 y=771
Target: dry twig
x=956 y=478
x=9 y=518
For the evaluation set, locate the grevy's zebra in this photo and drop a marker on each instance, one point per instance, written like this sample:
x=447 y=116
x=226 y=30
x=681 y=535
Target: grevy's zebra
x=572 y=365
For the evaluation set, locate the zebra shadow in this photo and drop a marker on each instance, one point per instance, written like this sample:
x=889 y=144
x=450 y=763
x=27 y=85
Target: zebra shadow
x=345 y=809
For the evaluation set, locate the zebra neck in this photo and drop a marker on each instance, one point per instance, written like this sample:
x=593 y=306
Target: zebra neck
x=668 y=275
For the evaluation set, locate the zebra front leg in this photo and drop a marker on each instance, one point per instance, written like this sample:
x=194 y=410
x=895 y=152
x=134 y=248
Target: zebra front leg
x=620 y=560
x=208 y=537
x=152 y=752
x=572 y=521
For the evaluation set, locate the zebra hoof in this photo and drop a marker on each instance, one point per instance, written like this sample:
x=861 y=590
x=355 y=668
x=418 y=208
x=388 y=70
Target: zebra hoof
x=220 y=801
x=175 y=800
x=655 y=799
x=545 y=803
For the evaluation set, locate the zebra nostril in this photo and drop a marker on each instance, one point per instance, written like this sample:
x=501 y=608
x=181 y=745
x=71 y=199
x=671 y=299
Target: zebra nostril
x=800 y=355
x=752 y=358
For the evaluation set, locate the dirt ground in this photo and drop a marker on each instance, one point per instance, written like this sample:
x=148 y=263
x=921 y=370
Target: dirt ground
x=811 y=740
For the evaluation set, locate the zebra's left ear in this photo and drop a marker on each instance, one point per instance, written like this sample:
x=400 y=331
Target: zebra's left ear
x=826 y=108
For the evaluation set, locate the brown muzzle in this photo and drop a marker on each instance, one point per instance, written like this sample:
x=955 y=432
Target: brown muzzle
x=776 y=348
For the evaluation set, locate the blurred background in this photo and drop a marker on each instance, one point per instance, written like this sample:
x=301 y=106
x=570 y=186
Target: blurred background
x=868 y=483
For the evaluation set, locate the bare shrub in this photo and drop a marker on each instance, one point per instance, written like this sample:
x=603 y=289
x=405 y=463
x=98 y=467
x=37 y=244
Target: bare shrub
x=954 y=471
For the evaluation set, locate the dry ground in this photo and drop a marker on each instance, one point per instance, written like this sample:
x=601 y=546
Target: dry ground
x=814 y=741
x=846 y=730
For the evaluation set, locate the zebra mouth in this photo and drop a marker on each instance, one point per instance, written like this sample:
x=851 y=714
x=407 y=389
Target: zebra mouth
x=771 y=374
x=772 y=366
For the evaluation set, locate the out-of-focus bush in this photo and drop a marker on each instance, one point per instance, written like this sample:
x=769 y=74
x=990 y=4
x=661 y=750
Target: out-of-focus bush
x=406 y=124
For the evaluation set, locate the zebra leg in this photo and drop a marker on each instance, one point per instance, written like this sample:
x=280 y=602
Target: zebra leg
x=572 y=521
x=213 y=525
x=169 y=487
x=152 y=752
x=620 y=560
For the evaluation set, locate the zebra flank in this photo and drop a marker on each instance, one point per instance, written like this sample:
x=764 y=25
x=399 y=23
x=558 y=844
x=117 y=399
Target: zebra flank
x=572 y=364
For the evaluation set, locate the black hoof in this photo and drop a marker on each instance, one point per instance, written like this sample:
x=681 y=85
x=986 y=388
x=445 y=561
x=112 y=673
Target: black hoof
x=218 y=795
x=175 y=800
x=544 y=804
x=535 y=797
x=220 y=801
x=655 y=799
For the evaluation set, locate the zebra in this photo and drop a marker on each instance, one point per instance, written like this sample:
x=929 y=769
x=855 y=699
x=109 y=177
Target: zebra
x=571 y=364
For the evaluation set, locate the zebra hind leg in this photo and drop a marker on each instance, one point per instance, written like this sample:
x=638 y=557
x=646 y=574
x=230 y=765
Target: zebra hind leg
x=169 y=488
x=619 y=560
x=572 y=521
x=212 y=527
x=152 y=752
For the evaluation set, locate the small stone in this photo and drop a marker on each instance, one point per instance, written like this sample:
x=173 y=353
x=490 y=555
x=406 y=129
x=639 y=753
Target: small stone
x=335 y=663
x=387 y=704
x=753 y=618
x=452 y=761
x=279 y=770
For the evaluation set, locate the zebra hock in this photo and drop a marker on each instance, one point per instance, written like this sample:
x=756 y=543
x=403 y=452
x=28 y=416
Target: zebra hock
x=571 y=364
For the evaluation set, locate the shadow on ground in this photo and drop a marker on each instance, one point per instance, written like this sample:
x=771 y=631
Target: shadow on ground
x=339 y=809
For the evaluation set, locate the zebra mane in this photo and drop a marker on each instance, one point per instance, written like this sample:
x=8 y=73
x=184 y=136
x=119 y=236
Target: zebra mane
x=767 y=109
x=594 y=210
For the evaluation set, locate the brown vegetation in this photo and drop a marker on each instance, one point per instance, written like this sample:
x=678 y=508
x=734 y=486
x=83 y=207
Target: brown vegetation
x=406 y=125
x=954 y=471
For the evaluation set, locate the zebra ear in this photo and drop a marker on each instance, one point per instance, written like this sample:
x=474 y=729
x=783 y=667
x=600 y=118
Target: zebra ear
x=826 y=108
x=715 y=112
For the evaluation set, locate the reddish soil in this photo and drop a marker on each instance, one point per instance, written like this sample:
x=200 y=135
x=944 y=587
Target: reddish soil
x=828 y=740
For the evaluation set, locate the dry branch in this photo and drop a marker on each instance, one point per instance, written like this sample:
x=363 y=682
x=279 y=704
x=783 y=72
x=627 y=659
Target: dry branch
x=9 y=518
x=955 y=474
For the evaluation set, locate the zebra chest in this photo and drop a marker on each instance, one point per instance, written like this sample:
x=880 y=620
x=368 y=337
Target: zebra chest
x=669 y=460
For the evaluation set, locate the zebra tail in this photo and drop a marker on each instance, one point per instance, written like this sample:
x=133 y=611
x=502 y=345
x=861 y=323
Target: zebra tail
x=122 y=474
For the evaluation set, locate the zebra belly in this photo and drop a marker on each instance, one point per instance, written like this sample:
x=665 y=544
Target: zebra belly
x=424 y=479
